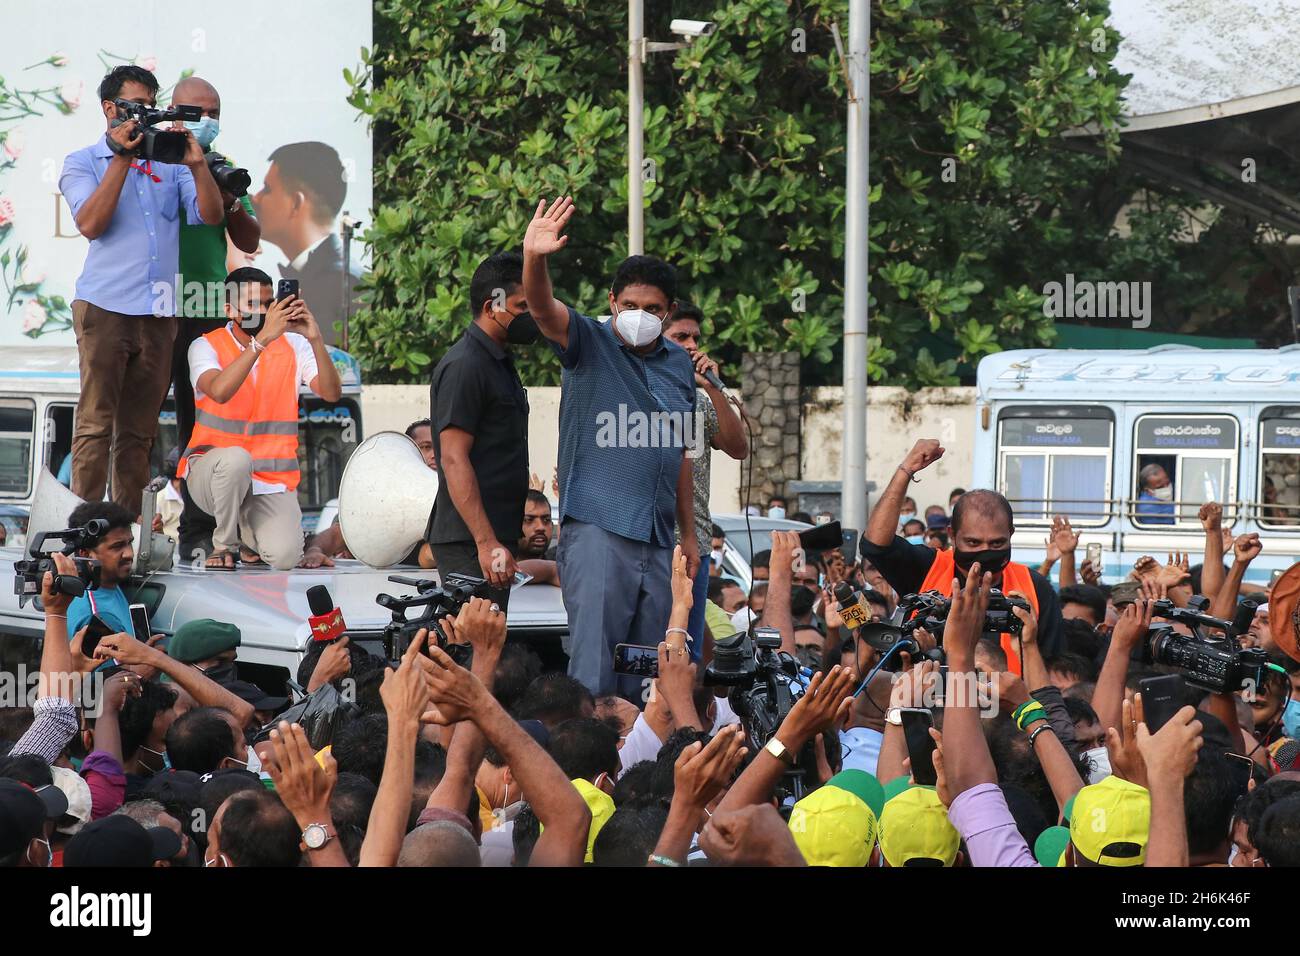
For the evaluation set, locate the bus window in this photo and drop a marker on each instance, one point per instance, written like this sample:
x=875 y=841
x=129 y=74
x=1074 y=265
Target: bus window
x=1056 y=461
x=1181 y=462
x=328 y=433
x=1278 y=499
x=58 y=439
x=17 y=434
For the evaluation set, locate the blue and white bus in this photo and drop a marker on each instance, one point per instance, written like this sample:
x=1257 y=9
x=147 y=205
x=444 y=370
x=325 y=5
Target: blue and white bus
x=1068 y=431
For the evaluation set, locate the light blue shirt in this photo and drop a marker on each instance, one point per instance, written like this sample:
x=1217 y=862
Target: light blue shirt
x=131 y=268
x=111 y=606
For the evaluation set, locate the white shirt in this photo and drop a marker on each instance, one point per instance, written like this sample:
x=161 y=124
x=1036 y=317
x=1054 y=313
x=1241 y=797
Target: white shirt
x=203 y=357
x=301 y=258
x=860 y=748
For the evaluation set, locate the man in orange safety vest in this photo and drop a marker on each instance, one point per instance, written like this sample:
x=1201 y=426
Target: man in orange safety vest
x=241 y=464
x=982 y=525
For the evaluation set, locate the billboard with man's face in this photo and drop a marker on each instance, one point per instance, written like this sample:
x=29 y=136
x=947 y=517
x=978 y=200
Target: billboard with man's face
x=277 y=70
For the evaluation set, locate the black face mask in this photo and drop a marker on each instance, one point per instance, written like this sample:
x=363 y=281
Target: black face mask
x=993 y=559
x=523 y=330
x=252 y=322
x=222 y=673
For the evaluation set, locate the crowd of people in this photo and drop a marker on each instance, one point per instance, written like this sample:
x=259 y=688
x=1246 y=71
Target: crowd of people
x=872 y=739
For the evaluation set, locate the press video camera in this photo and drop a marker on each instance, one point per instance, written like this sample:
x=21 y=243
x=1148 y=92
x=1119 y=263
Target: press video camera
x=437 y=602
x=1217 y=664
x=29 y=573
x=764 y=686
x=228 y=177
x=158 y=145
x=928 y=610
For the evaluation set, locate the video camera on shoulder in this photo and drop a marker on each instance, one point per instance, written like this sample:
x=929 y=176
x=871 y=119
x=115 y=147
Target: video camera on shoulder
x=29 y=573
x=158 y=145
x=929 y=610
x=1215 y=663
x=437 y=602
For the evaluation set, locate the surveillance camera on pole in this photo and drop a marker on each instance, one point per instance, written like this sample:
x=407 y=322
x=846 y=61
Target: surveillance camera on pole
x=692 y=28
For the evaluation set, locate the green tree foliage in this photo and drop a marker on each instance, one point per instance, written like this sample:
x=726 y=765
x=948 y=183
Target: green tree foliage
x=481 y=107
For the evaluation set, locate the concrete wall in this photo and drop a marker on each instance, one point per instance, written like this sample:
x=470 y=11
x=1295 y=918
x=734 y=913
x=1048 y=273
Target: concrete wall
x=895 y=419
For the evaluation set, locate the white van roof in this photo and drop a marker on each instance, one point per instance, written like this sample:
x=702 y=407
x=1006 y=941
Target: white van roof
x=54 y=369
x=1179 y=373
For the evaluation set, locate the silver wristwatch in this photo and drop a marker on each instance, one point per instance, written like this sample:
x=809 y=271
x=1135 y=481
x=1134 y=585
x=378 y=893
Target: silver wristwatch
x=315 y=836
x=894 y=715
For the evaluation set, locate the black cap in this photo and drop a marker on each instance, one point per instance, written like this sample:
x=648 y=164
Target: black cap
x=260 y=699
x=22 y=816
x=118 y=840
x=55 y=800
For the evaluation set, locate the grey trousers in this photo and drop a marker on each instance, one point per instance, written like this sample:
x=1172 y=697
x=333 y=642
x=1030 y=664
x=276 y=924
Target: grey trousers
x=221 y=483
x=616 y=591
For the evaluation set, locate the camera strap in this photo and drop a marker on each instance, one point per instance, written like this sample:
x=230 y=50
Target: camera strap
x=147 y=169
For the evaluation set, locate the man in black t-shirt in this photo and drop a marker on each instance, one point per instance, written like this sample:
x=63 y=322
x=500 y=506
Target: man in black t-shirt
x=479 y=410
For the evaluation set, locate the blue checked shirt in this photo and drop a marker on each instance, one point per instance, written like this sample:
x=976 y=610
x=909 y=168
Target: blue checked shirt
x=132 y=267
x=615 y=471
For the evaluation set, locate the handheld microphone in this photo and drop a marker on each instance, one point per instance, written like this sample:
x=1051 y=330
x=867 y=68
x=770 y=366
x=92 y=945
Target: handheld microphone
x=711 y=377
x=326 y=620
x=852 y=609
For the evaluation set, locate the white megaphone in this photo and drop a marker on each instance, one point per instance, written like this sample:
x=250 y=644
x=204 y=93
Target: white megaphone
x=53 y=503
x=385 y=498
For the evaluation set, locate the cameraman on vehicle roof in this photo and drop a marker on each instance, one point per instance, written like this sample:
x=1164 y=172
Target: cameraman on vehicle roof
x=982 y=525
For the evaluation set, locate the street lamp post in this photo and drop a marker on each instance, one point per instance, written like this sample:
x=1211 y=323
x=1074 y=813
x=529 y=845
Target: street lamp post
x=853 y=497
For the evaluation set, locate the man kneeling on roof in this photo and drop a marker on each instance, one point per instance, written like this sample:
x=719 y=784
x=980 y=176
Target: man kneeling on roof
x=242 y=461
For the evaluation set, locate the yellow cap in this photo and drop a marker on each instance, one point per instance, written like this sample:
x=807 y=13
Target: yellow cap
x=835 y=824
x=914 y=827
x=1110 y=822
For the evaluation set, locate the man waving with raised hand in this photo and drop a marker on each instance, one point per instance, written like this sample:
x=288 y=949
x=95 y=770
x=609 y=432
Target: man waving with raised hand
x=628 y=436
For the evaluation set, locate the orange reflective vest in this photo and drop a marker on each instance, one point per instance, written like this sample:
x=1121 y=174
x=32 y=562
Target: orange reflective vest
x=261 y=418
x=1015 y=577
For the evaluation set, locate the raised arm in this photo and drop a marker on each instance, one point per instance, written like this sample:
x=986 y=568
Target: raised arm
x=786 y=551
x=1244 y=550
x=690 y=546
x=700 y=774
x=966 y=758
x=1130 y=630
x=405 y=693
x=304 y=786
x=545 y=236
x=1066 y=541
x=566 y=821
x=1211 y=515
x=485 y=630
x=1170 y=756
x=1058 y=767
x=206 y=692
x=882 y=525
x=93 y=203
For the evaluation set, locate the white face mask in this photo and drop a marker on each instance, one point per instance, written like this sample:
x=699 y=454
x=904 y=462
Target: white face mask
x=1164 y=494
x=637 y=327
x=777 y=512
x=1099 y=761
x=905 y=518
x=716 y=556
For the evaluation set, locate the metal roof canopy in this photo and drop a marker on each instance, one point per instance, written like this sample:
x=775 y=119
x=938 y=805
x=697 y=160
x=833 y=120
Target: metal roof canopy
x=1213 y=84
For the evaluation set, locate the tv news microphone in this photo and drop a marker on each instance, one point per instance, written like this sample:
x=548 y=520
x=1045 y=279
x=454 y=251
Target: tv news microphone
x=326 y=620
x=711 y=377
x=853 y=610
